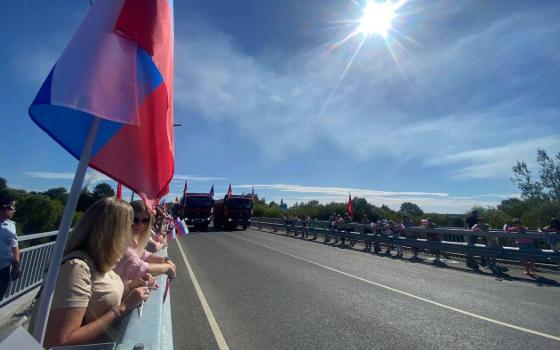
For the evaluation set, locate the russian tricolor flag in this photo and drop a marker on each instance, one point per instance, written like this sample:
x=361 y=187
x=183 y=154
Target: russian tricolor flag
x=118 y=67
x=181 y=228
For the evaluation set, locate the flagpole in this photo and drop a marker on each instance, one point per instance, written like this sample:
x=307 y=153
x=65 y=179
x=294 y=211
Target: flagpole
x=63 y=230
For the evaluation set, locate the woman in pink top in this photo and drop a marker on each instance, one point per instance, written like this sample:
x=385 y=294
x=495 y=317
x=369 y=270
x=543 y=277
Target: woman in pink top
x=136 y=261
x=524 y=244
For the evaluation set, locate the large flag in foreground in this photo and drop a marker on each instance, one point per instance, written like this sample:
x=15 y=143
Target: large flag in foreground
x=117 y=67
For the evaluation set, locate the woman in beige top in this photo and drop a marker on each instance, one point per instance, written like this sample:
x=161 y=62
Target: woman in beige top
x=89 y=296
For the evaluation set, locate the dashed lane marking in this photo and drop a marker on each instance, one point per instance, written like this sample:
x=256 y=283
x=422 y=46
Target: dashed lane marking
x=451 y=308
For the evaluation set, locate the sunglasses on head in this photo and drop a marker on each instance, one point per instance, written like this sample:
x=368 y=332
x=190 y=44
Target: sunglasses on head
x=145 y=221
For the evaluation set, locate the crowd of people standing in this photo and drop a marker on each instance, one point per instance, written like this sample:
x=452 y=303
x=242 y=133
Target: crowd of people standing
x=473 y=222
x=107 y=270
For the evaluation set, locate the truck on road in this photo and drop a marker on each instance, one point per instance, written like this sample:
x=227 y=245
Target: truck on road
x=197 y=210
x=233 y=211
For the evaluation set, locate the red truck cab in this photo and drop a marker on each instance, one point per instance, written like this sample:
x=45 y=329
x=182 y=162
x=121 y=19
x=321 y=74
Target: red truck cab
x=232 y=212
x=197 y=210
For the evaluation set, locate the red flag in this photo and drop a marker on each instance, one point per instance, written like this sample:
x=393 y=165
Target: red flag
x=229 y=192
x=349 y=206
x=119 y=191
x=119 y=68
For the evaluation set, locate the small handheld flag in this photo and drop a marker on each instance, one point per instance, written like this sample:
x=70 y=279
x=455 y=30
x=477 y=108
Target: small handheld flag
x=167 y=286
x=181 y=229
x=119 y=191
x=171 y=234
x=349 y=206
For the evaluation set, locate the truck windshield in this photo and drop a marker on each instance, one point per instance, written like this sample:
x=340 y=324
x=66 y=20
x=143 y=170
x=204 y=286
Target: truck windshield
x=240 y=203
x=199 y=202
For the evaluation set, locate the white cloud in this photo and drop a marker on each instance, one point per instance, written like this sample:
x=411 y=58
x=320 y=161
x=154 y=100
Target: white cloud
x=335 y=190
x=428 y=201
x=91 y=178
x=196 y=178
x=276 y=100
x=498 y=161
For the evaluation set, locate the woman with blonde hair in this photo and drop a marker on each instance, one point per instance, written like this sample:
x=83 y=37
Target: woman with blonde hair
x=89 y=295
x=136 y=260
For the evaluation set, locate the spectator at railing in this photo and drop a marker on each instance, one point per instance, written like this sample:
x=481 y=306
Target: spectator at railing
x=524 y=244
x=471 y=220
x=480 y=226
x=136 y=261
x=554 y=230
x=398 y=230
x=410 y=234
x=432 y=236
x=89 y=295
x=490 y=241
x=332 y=221
x=9 y=250
x=384 y=229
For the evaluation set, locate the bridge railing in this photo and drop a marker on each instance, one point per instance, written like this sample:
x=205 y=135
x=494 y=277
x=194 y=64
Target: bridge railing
x=499 y=244
x=33 y=263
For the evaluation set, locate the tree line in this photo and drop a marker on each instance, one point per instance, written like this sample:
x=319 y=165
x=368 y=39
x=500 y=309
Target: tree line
x=42 y=211
x=539 y=202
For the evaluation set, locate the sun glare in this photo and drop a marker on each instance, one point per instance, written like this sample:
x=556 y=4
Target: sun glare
x=377 y=18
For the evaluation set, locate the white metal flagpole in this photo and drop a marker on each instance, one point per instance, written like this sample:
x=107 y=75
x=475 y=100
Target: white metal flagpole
x=63 y=230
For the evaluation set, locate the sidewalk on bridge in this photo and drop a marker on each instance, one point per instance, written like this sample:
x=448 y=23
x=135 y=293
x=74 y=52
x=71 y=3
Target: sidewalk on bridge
x=8 y=313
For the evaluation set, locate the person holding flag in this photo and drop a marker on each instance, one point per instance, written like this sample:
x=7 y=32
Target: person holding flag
x=89 y=295
x=137 y=261
x=108 y=101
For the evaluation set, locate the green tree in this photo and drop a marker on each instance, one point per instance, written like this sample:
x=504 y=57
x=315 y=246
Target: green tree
x=102 y=190
x=59 y=194
x=513 y=207
x=548 y=185
x=38 y=213
x=85 y=200
x=411 y=209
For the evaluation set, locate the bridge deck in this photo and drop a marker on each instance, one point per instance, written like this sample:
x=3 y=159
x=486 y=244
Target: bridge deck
x=268 y=291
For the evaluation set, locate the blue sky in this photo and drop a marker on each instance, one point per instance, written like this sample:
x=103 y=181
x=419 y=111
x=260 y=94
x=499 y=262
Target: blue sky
x=436 y=113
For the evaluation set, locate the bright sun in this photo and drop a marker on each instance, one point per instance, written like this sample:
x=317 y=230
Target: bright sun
x=377 y=18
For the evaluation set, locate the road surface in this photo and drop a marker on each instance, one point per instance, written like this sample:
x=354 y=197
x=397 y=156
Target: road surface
x=258 y=290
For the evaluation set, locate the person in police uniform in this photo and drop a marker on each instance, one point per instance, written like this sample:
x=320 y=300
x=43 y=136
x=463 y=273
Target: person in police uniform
x=9 y=251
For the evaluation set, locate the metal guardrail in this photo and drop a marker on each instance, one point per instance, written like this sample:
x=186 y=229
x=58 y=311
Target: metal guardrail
x=441 y=240
x=33 y=262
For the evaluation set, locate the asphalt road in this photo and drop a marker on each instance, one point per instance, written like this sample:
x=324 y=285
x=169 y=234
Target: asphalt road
x=268 y=291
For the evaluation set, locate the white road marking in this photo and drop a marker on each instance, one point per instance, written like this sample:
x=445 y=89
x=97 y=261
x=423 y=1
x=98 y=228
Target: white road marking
x=209 y=315
x=505 y=324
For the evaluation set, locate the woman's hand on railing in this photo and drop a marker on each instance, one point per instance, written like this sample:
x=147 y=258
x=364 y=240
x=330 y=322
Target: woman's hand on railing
x=134 y=298
x=171 y=271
